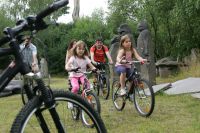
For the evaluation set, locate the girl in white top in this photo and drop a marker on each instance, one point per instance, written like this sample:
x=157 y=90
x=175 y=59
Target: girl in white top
x=126 y=53
x=78 y=60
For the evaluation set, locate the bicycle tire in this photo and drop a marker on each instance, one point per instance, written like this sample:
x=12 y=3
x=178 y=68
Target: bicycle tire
x=118 y=100
x=95 y=103
x=27 y=113
x=143 y=92
x=105 y=87
x=96 y=88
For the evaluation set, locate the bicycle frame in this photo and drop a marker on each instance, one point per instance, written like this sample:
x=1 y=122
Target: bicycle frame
x=134 y=77
x=14 y=67
x=102 y=72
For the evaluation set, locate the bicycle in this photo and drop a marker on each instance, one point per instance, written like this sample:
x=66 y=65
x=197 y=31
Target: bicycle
x=140 y=93
x=102 y=81
x=46 y=105
x=86 y=93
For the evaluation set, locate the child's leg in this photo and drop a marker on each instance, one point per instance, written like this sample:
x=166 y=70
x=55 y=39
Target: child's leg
x=122 y=71
x=82 y=78
x=75 y=85
x=122 y=78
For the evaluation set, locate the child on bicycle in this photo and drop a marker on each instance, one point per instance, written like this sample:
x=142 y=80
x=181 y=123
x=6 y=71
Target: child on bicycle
x=125 y=54
x=98 y=52
x=78 y=61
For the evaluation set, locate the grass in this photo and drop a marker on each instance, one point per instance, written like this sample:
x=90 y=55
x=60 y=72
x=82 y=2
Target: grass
x=176 y=114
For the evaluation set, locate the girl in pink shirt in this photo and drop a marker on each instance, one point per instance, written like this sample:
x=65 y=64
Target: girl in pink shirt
x=126 y=53
x=78 y=60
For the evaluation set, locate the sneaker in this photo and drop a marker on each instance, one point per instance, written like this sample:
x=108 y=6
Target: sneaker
x=122 y=92
x=70 y=105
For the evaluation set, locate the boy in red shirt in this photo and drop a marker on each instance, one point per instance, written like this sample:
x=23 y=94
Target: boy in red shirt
x=98 y=52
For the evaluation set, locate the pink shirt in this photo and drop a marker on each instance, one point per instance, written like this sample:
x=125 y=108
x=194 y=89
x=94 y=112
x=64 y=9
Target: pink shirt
x=78 y=62
x=128 y=57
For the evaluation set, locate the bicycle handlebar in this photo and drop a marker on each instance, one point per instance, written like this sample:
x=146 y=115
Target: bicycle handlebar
x=76 y=70
x=53 y=7
x=31 y=22
x=103 y=64
x=135 y=62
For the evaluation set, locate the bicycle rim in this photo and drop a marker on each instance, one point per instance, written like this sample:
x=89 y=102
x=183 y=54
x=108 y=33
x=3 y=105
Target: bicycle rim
x=118 y=101
x=144 y=99
x=27 y=122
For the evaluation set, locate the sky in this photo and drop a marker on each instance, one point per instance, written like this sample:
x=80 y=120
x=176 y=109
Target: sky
x=86 y=9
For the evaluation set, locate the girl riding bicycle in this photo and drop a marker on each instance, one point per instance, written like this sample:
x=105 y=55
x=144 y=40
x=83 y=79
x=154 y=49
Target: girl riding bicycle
x=78 y=61
x=125 y=54
x=70 y=50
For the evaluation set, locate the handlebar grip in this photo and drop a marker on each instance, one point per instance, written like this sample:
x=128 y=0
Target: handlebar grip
x=56 y=5
x=4 y=40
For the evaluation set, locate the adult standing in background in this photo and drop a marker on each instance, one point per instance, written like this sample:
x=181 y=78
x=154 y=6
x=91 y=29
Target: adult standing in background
x=29 y=52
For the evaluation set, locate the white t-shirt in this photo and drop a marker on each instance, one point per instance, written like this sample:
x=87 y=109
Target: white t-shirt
x=78 y=62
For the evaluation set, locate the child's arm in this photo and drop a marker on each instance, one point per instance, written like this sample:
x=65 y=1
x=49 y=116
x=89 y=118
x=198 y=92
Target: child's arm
x=89 y=63
x=120 y=57
x=68 y=64
x=91 y=66
x=66 y=57
x=137 y=56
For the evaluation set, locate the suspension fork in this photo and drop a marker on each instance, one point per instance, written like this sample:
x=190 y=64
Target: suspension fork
x=48 y=99
x=47 y=96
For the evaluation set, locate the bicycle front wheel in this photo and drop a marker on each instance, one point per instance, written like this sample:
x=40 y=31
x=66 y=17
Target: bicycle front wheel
x=27 y=122
x=105 y=86
x=94 y=102
x=144 y=99
x=118 y=101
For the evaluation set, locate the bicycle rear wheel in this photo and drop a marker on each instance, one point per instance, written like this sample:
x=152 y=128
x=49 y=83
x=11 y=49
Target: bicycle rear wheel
x=118 y=101
x=93 y=100
x=27 y=122
x=144 y=99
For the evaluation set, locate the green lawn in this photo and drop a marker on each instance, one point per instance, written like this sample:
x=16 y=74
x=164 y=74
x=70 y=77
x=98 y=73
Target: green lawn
x=172 y=114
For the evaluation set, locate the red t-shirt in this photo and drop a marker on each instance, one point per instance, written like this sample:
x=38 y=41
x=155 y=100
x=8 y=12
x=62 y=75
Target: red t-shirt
x=99 y=55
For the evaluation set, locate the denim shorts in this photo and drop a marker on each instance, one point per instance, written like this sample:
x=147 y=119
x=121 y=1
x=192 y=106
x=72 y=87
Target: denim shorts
x=123 y=69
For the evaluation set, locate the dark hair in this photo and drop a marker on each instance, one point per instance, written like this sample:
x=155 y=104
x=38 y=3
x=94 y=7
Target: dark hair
x=27 y=37
x=99 y=39
x=71 y=44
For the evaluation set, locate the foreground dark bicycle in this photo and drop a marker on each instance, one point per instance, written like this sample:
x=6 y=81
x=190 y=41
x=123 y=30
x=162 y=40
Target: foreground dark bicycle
x=89 y=96
x=102 y=84
x=140 y=93
x=46 y=110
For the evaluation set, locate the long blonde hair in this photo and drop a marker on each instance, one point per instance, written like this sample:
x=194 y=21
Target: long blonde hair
x=122 y=40
x=80 y=42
